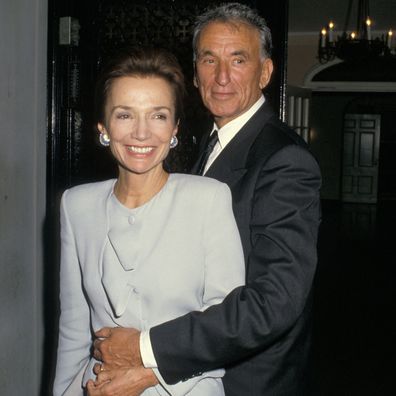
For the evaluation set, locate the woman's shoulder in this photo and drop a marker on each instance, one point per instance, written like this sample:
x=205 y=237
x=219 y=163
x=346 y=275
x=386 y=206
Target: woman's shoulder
x=198 y=186
x=89 y=191
x=195 y=181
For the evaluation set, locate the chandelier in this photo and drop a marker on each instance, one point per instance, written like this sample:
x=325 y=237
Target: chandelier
x=358 y=45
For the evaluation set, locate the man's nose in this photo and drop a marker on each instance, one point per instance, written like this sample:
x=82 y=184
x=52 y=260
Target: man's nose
x=222 y=73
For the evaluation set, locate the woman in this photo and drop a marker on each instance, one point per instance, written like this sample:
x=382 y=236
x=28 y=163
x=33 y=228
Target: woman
x=148 y=246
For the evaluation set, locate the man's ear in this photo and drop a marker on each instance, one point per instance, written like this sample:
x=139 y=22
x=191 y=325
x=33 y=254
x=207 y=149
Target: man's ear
x=195 y=80
x=266 y=72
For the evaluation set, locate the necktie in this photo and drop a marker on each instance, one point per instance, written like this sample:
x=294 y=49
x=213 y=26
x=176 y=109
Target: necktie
x=213 y=139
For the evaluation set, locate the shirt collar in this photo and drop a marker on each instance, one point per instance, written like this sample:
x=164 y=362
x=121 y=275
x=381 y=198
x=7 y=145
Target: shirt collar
x=229 y=130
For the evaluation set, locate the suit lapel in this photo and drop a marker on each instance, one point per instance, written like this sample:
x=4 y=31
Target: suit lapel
x=232 y=162
x=204 y=142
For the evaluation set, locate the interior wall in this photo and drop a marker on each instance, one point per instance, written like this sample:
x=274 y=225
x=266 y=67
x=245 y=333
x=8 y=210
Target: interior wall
x=23 y=48
x=302 y=56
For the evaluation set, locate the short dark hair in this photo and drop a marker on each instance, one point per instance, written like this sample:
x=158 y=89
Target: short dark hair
x=231 y=13
x=140 y=62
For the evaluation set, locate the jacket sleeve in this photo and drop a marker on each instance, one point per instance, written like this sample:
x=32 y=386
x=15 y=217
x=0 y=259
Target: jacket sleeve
x=284 y=223
x=74 y=325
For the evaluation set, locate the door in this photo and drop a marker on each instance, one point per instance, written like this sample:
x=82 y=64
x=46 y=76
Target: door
x=360 y=157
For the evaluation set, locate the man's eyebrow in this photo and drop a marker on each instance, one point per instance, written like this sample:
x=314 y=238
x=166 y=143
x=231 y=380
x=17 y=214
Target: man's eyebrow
x=240 y=53
x=205 y=53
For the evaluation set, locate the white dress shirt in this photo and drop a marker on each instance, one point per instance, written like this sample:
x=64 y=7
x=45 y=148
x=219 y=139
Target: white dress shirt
x=229 y=130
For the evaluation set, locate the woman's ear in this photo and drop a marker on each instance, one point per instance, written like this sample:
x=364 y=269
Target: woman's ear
x=101 y=128
x=176 y=128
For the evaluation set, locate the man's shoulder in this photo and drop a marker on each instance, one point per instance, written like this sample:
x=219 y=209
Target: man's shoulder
x=274 y=136
x=268 y=131
x=281 y=133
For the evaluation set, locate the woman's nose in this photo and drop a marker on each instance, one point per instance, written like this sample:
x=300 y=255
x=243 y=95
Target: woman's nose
x=141 y=131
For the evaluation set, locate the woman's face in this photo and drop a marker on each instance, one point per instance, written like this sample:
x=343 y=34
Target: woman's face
x=140 y=121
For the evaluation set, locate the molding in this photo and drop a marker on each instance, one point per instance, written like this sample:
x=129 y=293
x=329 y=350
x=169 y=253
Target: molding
x=344 y=86
x=317 y=69
x=355 y=86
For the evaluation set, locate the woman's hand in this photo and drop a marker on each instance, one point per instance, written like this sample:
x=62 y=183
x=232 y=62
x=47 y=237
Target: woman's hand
x=121 y=382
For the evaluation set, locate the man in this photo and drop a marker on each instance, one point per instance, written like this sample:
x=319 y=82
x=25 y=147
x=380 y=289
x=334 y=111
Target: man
x=261 y=331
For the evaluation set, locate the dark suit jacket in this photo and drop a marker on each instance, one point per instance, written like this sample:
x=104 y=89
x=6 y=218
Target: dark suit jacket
x=261 y=331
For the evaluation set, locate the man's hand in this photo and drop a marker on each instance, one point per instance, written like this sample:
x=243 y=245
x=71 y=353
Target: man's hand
x=122 y=382
x=118 y=347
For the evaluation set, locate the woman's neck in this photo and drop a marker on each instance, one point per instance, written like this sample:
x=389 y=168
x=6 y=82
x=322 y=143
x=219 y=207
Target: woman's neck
x=134 y=190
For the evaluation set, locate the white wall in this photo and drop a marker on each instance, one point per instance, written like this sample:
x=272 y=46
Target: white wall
x=23 y=49
x=301 y=57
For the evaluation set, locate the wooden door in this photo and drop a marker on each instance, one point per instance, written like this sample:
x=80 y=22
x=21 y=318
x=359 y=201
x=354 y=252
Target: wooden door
x=360 y=158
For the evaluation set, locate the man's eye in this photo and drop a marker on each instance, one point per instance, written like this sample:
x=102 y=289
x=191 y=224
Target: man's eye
x=160 y=116
x=208 y=60
x=238 y=61
x=123 y=116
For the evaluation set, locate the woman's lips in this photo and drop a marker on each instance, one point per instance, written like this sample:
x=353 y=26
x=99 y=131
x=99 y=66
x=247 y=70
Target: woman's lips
x=140 y=150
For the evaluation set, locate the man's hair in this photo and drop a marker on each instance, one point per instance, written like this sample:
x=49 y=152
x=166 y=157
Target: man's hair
x=234 y=13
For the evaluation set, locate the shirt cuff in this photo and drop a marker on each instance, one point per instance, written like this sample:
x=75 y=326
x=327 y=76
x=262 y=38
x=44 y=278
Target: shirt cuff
x=146 y=350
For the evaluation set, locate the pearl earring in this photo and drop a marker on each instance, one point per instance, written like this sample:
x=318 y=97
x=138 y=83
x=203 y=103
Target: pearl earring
x=173 y=142
x=104 y=139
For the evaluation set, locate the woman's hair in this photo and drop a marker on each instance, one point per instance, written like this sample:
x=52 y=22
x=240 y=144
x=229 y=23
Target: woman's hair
x=139 y=62
x=234 y=13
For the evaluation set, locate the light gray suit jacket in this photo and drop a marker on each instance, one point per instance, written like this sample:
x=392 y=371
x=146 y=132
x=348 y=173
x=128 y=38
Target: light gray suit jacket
x=139 y=267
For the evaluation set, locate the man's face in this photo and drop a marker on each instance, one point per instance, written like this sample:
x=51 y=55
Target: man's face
x=230 y=73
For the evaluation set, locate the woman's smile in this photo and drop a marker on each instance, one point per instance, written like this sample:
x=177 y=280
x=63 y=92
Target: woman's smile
x=140 y=150
x=140 y=121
